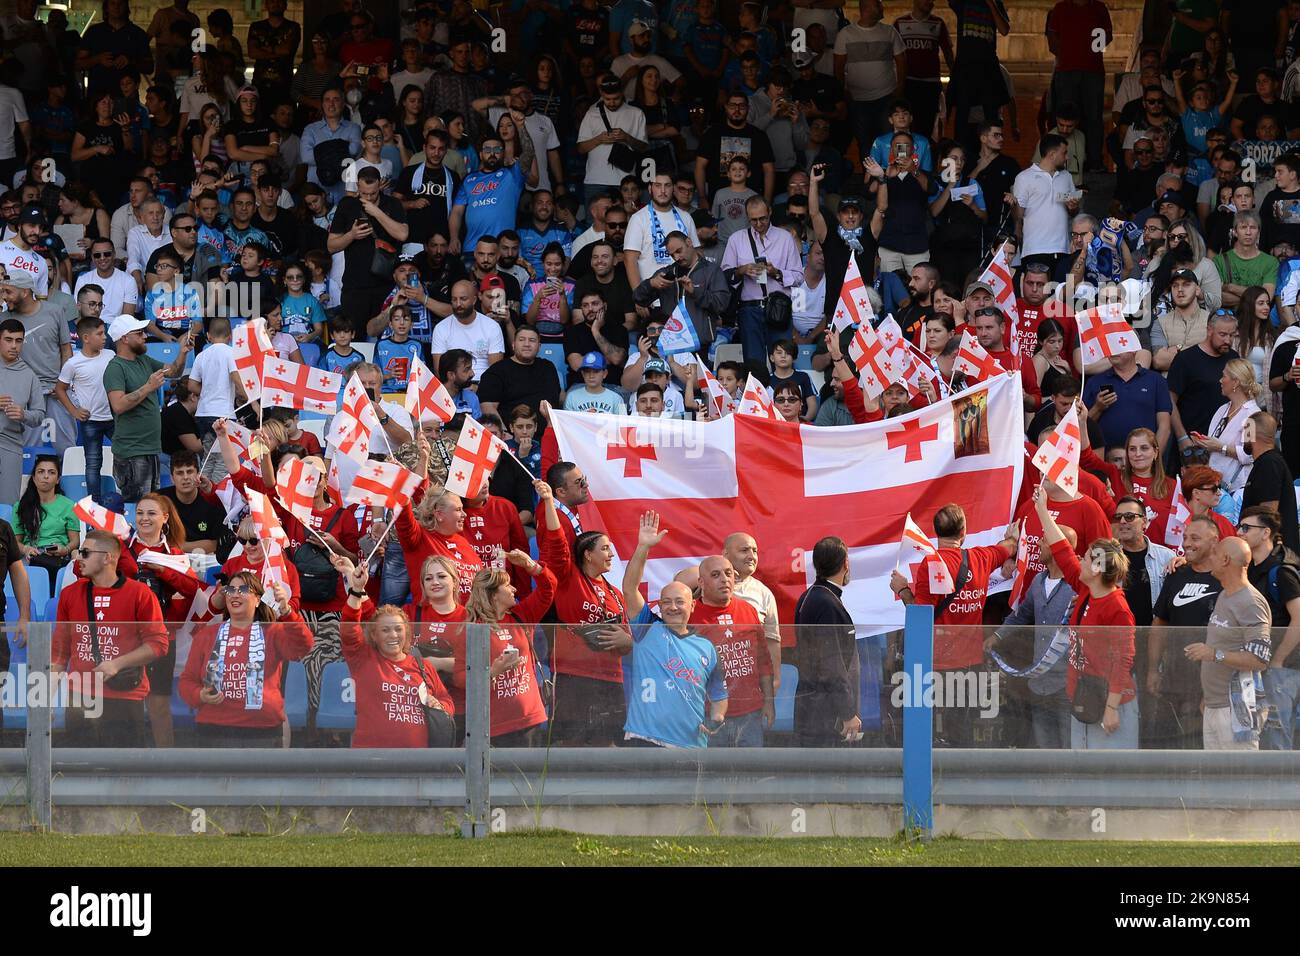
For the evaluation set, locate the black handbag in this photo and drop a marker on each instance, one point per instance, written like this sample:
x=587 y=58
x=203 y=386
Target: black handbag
x=384 y=260
x=778 y=309
x=128 y=678
x=440 y=725
x=1088 y=705
x=621 y=155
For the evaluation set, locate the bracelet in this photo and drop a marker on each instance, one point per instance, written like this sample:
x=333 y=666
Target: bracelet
x=1185 y=440
x=357 y=594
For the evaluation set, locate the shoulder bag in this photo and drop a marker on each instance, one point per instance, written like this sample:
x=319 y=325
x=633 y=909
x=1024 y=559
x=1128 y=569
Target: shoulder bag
x=778 y=309
x=1088 y=705
x=440 y=724
x=621 y=155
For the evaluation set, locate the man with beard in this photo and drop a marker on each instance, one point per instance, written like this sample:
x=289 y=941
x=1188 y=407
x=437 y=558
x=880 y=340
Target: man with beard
x=361 y=222
x=325 y=164
x=490 y=196
x=523 y=379
x=46 y=348
x=199 y=260
x=735 y=136
x=616 y=219
x=519 y=97
x=486 y=268
x=691 y=279
x=1030 y=304
x=467 y=328
x=597 y=206
x=457 y=89
x=1173 y=682
x=542 y=231
x=594 y=334
x=428 y=192
x=920 y=304
x=132 y=380
x=608 y=123
x=611 y=282
x=645 y=246
x=23 y=408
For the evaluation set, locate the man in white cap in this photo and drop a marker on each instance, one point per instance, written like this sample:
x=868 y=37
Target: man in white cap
x=47 y=347
x=21 y=406
x=132 y=380
x=628 y=65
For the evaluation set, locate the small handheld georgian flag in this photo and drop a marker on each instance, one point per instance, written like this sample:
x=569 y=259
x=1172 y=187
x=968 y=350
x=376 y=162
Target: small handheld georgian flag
x=1179 y=515
x=100 y=518
x=756 y=401
x=252 y=346
x=1058 y=456
x=473 y=461
x=853 y=307
x=295 y=486
x=719 y=403
x=1103 y=332
x=385 y=484
x=870 y=356
x=427 y=399
x=287 y=384
x=352 y=429
x=265 y=520
x=179 y=563
x=915 y=542
x=973 y=360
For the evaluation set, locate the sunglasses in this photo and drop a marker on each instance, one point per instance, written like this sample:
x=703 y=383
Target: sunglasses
x=1210 y=489
x=84 y=553
x=1128 y=516
x=786 y=398
x=232 y=589
x=249 y=542
x=185 y=228
x=1251 y=527
x=987 y=310
x=101 y=255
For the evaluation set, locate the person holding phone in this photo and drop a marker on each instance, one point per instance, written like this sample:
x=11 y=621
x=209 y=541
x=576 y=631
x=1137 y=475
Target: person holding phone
x=47 y=530
x=901 y=192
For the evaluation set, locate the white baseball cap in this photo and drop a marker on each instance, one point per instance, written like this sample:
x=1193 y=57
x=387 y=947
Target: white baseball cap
x=124 y=325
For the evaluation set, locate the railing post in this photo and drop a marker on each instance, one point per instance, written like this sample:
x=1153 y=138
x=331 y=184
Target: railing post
x=918 y=722
x=40 y=721
x=478 y=768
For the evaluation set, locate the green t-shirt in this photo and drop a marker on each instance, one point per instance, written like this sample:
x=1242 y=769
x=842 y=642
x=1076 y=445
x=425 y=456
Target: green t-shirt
x=1183 y=39
x=56 y=521
x=1247 y=272
x=139 y=431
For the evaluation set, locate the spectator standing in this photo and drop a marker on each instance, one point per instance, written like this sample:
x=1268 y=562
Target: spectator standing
x=328 y=144
x=46 y=346
x=490 y=196
x=722 y=142
x=1195 y=379
x=1179 y=328
x=1045 y=200
x=691 y=279
x=1274 y=573
x=1271 y=484
x=114 y=47
x=272 y=43
x=1245 y=265
x=741 y=551
x=826 y=703
x=976 y=81
x=1224 y=439
x=1280 y=210
x=366 y=226
x=609 y=123
x=80 y=389
x=871 y=65
x=1148 y=566
x=1078 y=32
x=23 y=408
x=925 y=36
x=762 y=261
x=846 y=236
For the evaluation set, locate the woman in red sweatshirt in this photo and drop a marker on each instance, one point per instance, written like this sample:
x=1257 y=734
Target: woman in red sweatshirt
x=1142 y=475
x=1101 y=633
x=235 y=669
x=393 y=686
x=252 y=558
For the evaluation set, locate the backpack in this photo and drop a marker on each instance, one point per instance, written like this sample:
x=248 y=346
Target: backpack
x=330 y=157
x=318 y=581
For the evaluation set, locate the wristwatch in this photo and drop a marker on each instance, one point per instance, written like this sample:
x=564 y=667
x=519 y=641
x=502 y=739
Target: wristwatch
x=1219 y=656
x=357 y=594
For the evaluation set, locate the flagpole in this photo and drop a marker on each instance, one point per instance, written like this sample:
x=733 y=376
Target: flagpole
x=392 y=520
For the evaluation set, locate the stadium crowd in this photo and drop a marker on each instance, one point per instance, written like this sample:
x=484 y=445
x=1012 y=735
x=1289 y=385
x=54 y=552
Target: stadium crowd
x=525 y=206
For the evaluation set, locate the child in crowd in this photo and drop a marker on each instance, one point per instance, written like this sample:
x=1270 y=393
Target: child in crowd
x=1201 y=116
x=294 y=434
x=301 y=312
x=593 y=396
x=396 y=352
x=80 y=389
x=340 y=356
x=523 y=442
x=170 y=305
x=729 y=203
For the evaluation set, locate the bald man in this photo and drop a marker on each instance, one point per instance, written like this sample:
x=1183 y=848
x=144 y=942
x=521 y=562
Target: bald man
x=1236 y=646
x=732 y=625
x=742 y=551
x=672 y=671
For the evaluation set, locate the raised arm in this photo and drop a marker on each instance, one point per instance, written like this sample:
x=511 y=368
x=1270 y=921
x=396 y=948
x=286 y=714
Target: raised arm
x=647 y=538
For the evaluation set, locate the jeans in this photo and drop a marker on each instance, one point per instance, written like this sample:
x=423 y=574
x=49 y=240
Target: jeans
x=394 y=582
x=755 y=335
x=90 y=436
x=1282 y=686
x=1086 y=91
x=1093 y=737
x=135 y=476
x=743 y=731
x=1050 y=718
x=868 y=120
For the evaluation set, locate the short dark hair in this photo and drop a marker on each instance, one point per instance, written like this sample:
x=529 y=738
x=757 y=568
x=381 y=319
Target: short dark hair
x=89 y=287
x=368 y=175
x=646 y=387
x=1049 y=142
x=88 y=324
x=450 y=359
x=559 y=473
x=830 y=555
x=12 y=325
x=521 y=412
x=1267 y=515
x=340 y=323
x=1133 y=500
x=184 y=459
x=950 y=521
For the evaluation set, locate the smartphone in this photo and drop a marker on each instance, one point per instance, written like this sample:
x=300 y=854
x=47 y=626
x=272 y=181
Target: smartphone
x=1106 y=389
x=363 y=71
x=820 y=168
x=901 y=152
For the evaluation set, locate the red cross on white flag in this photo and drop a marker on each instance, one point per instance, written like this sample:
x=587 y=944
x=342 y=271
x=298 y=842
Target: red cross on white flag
x=915 y=370
x=1179 y=515
x=385 y=484
x=719 y=402
x=472 y=463
x=287 y=384
x=870 y=356
x=180 y=563
x=1018 y=586
x=265 y=520
x=242 y=439
x=1103 y=332
x=998 y=277
x=251 y=346
x=1058 y=456
x=853 y=305
x=275 y=566
x=755 y=401
x=353 y=428
x=427 y=399
x=915 y=542
x=889 y=332
x=295 y=485
x=973 y=360
x=100 y=518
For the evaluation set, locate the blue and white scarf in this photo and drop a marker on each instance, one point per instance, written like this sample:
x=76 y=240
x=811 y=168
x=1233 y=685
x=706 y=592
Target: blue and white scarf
x=256 y=663
x=1249 y=705
x=657 y=237
x=1060 y=644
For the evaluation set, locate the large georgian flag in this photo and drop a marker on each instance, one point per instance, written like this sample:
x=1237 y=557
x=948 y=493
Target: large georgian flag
x=790 y=487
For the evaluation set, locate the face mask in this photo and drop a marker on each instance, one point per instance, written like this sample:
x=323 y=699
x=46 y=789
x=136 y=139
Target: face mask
x=353 y=97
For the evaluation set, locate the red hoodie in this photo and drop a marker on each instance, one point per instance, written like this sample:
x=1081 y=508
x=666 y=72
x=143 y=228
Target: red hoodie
x=389 y=712
x=579 y=600
x=131 y=617
x=285 y=640
x=1103 y=643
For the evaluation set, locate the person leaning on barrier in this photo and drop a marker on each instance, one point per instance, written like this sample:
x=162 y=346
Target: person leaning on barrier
x=1101 y=642
x=826 y=703
x=111 y=625
x=1045 y=607
x=1275 y=573
x=671 y=669
x=401 y=700
x=233 y=677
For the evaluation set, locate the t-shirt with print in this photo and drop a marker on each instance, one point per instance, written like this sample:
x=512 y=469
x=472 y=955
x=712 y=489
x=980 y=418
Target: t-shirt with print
x=1240 y=622
x=729 y=209
x=737 y=635
x=396 y=359
x=721 y=142
x=1184 y=603
x=581 y=400
x=667 y=678
x=961 y=643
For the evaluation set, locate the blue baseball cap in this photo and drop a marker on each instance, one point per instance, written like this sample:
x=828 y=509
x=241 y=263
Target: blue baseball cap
x=593 y=360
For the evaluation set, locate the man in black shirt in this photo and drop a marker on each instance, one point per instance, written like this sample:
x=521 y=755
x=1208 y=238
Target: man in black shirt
x=361 y=223
x=1271 y=483
x=438 y=269
x=1185 y=603
x=279 y=224
x=428 y=192
x=1280 y=211
x=995 y=173
x=611 y=283
x=734 y=137
x=595 y=333
x=522 y=379
x=1273 y=573
x=921 y=284
x=850 y=235
x=1194 y=377
x=826 y=705
x=203 y=515
x=249 y=137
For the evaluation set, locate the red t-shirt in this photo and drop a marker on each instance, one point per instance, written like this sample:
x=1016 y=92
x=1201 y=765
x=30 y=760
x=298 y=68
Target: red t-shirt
x=1074 y=25
x=126 y=616
x=1157 y=508
x=497 y=525
x=737 y=633
x=579 y=600
x=419 y=544
x=286 y=640
x=389 y=712
x=1082 y=514
x=1102 y=643
x=961 y=644
x=239 y=562
x=1005 y=359
x=183 y=587
x=1031 y=317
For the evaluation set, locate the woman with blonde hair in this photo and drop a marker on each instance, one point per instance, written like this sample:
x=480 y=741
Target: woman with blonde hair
x=1225 y=444
x=1099 y=681
x=401 y=700
x=1142 y=474
x=233 y=676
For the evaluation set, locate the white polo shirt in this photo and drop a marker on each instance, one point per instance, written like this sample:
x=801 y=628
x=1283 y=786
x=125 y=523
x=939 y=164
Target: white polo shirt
x=1042 y=196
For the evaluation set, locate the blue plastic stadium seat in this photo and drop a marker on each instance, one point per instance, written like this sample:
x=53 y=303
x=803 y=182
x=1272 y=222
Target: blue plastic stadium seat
x=128 y=512
x=51 y=609
x=553 y=352
x=164 y=352
x=334 y=714
x=804 y=359
x=38 y=580
x=29 y=457
x=74 y=486
x=182 y=714
x=310 y=352
x=295 y=695
x=7 y=512
x=784 y=722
